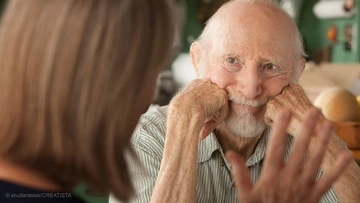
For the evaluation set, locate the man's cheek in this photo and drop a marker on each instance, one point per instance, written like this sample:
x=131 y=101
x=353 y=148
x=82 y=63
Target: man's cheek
x=275 y=87
x=284 y=83
x=213 y=77
x=204 y=74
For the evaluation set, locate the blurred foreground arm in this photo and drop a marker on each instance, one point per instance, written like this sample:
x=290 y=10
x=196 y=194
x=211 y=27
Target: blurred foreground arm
x=293 y=97
x=290 y=182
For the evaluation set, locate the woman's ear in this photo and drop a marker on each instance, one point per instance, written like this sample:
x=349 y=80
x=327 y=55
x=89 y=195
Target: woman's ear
x=195 y=52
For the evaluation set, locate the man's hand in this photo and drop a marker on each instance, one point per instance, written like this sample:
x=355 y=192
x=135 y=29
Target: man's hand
x=204 y=100
x=192 y=114
x=293 y=181
x=291 y=98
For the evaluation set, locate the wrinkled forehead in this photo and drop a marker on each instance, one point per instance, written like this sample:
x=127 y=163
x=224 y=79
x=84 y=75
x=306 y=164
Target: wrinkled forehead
x=255 y=40
x=253 y=29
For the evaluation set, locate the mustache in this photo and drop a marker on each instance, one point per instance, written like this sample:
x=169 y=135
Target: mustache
x=248 y=102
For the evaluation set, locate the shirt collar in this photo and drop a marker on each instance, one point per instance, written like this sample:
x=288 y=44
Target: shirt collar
x=207 y=146
x=260 y=149
x=210 y=144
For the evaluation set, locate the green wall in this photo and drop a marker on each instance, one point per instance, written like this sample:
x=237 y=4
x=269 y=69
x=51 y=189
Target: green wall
x=313 y=30
x=314 y=33
x=192 y=28
x=90 y=196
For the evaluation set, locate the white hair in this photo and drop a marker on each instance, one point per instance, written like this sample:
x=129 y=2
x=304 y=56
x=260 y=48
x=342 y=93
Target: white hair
x=211 y=26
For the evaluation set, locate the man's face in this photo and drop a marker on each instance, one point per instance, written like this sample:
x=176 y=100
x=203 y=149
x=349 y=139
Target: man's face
x=252 y=65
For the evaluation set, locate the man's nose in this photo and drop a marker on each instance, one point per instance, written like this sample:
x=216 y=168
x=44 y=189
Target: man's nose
x=250 y=82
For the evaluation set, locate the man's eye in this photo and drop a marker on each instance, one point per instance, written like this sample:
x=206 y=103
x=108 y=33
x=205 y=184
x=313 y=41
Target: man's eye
x=270 y=66
x=232 y=60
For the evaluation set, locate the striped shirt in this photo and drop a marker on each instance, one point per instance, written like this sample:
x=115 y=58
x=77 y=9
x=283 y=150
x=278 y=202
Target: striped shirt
x=214 y=183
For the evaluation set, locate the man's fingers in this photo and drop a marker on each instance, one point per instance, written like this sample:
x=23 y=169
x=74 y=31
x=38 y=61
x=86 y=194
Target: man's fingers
x=301 y=143
x=269 y=114
x=317 y=154
x=332 y=174
x=208 y=127
x=213 y=121
x=241 y=175
x=275 y=150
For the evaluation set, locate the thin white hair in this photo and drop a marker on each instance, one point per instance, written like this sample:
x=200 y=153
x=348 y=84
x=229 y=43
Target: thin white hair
x=298 y=52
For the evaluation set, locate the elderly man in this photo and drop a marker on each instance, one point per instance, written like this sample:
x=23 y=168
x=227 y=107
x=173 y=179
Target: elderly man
x=247 y=60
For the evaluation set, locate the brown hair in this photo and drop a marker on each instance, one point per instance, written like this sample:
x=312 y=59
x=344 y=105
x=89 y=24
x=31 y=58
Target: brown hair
x=70 y=76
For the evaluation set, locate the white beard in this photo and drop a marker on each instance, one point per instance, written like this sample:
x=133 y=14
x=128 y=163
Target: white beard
x=244 y=123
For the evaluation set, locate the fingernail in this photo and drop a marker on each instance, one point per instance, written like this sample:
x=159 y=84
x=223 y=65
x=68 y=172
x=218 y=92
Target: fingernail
x=349 y=155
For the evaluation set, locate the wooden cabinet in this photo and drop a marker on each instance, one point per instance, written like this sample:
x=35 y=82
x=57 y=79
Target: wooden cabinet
x=350 y=133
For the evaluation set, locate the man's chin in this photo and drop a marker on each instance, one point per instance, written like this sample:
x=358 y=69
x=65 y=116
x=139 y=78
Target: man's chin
x=247 y=132
x=249 y=124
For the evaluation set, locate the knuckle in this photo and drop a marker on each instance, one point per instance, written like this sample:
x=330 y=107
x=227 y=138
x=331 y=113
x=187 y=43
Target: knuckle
x=224 y=95
x=271 y=102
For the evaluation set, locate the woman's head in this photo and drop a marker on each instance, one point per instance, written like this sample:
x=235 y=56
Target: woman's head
x=74 y=77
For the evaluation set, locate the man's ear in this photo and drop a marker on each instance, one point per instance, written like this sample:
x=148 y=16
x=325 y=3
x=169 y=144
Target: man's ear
x=303 y=64
x=195 y=52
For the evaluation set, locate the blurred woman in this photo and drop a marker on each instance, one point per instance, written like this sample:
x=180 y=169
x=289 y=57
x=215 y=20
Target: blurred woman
x=75 y=75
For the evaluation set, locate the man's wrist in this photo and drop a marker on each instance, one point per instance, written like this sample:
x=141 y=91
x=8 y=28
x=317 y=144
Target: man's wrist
x=335 y=148
x=176 y=112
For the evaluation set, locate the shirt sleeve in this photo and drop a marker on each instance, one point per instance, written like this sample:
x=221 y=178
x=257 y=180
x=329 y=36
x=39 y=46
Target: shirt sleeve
x=330 y=195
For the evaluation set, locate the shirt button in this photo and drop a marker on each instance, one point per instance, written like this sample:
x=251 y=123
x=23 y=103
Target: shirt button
x=222 y=163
